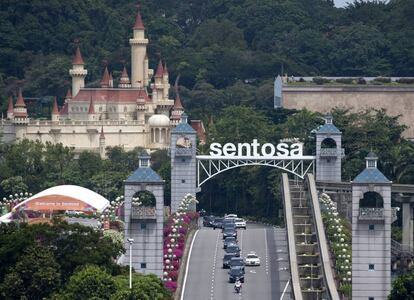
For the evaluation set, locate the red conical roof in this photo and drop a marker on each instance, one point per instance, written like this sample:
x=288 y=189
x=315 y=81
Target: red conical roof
x=105 y=78
x=138 y=22
x=55 y=110
x=10 y=108
x=64 y=110
x=124 y=76
x=20 y=100
x=77 y=60
x=177 y=103
x=160 y=69
x=102 y=135
x=165 y=69
x=91 y=108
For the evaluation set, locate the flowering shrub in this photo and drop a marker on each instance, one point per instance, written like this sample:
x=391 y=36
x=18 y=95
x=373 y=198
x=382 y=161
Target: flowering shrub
x=340 y=238
x=175 y=235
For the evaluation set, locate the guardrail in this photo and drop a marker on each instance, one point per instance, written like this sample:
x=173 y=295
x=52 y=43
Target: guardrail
x=331 y=152
x=400 y=249
x=143 y=213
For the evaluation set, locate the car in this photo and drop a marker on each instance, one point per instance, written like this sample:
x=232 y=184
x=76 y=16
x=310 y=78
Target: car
x=237 y=262
x=236 y=274
x=208 y=221
x=233 y=216
x=217 y=223
x=240 y=223
x=231 y=240
x=226 y=259
x=229 y=233
x=252 y=259
x=228 y=226
x=233 y=249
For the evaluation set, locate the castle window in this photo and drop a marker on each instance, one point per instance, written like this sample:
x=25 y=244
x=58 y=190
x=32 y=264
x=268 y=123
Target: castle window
x=143 y=265
x=76 y=108
x=371 y=227
x=371 y=267
x=143 y=226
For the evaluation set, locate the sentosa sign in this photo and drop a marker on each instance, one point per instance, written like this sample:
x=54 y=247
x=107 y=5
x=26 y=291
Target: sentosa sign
x=256 y=150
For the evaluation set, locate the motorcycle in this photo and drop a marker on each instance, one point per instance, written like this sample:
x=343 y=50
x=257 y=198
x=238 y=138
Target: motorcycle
x=237 y=287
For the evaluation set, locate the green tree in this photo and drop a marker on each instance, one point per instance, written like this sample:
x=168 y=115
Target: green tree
x=13 y=185
x=35 y=276
x=403 y=287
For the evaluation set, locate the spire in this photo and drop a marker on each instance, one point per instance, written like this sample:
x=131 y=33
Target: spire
x=165 y=69
x=55 y=110
x=68 y=94
x=105 y=78
x=102 y=135
x=124 y=76
x=139 y=24
x=160 y=69
x=20 y=100
x=10 y=108
x=111 y=80
x=177 y=104
x=77 y=60
x=91 y=110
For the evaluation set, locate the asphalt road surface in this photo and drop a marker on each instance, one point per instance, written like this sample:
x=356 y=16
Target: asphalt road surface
x=207 y=280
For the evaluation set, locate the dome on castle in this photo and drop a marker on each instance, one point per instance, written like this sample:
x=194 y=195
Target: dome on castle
x=159 y=120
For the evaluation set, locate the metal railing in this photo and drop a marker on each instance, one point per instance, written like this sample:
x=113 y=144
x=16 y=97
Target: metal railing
x=399 y=249
x=143 y=212
x=184 y=151
x=371 y=213
x=332 y=152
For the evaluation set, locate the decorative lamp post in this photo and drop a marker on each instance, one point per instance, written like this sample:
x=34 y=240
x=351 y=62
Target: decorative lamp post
x=130 y=262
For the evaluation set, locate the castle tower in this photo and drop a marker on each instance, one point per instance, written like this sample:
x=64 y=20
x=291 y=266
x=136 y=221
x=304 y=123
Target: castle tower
x=144 y=221
x=329 y=152
x=166 y=85
x=183 y=162
x=138 y=44
x=102 y=143
x=105 y=81
x=124 y=82
x=111 y=80
x=77 y=72
x=158 y=86
x=64 y=111
x=91 y=111
x=177 y=111
x=55 y=111
x=371 y=233
x=20 y=111
x=10 y=108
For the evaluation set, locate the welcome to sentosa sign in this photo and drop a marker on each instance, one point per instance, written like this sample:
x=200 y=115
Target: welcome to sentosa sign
x=256 y=150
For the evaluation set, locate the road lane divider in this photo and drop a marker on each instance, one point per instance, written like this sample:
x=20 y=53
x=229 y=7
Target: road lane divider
x=187 y=265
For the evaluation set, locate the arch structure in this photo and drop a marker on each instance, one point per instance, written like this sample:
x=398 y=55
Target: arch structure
x=210 y=166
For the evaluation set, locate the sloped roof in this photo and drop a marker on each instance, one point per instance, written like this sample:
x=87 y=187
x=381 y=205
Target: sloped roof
x=100 y=95
x=144 y=175
x=72 y=191
x=371 y=176
x=183 y=128
x=328 y=128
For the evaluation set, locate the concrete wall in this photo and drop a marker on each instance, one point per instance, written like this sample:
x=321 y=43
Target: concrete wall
x=148 y=243
x=396 y=100
x=371 y=247
x=328 y=168
x=183 y=171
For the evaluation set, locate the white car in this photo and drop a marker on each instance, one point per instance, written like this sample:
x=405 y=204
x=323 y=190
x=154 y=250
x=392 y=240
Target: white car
x=230 y=216
x=240 y=223
x=252 y=259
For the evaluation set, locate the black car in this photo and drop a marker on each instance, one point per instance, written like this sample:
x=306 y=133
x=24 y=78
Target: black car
x=229 y=233
x=229 y=241
x=237 y=262
x=226 y=259
x=233 y=249
x=217 y=223
x=226 y=221
x=236 y=274
x=208 y=221
x=229 y=226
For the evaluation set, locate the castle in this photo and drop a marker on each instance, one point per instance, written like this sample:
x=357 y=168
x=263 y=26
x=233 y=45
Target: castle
x=136 y=113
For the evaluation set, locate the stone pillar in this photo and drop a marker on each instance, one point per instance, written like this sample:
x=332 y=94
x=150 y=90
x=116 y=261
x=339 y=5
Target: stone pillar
x=183 y=162
x=407 y=224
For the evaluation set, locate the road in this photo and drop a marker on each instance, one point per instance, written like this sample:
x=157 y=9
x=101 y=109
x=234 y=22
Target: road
x=207 y=280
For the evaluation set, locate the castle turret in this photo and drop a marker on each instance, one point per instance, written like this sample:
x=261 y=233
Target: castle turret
x=20 y=111
x=138 y=54
x=177 y=111
x=165 y=82
x=111 y=80
x=124 y=80
x=10 y=108
x=55 y=111
x=105 y=79
x=157 y=87
x=102 y=143
x=78 y=72
x=91 y=111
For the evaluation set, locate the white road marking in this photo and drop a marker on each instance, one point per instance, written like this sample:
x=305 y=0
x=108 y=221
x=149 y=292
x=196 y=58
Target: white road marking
x=214 y=268
x=267 y=253
x=188 y=264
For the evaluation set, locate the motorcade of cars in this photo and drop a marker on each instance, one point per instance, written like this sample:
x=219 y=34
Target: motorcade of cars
x=217 y=223
x=252 y=259
x=229 y=232
x=231 y=240
x=208 y=221
x=237 y=262
x=226 y=259
x=236 y=274
x=233 y=249
x=240 y=223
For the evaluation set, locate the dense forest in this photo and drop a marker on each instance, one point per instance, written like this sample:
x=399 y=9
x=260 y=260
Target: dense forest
x=227 y=53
